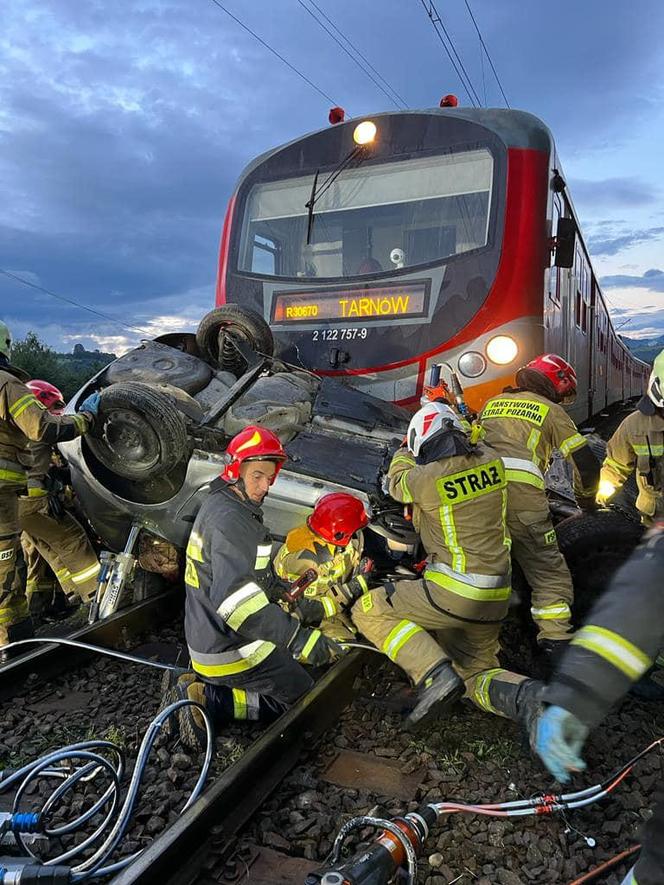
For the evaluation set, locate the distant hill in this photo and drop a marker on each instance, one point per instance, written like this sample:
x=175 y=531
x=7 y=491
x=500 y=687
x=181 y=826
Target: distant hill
x=645 y=349
x=68 y=371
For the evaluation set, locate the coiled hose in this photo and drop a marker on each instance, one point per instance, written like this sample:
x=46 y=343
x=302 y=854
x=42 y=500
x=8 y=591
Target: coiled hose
x=84 y=762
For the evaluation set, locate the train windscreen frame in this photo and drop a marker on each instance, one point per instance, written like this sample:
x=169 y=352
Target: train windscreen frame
x=401 y=213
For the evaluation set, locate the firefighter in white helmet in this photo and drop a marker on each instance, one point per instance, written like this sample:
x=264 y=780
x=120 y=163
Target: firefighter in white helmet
x=458 y=492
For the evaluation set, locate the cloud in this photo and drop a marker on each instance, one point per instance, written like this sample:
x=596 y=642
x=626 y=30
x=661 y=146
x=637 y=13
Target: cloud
x=610 y=242
x=652 y=279
x=615 y=192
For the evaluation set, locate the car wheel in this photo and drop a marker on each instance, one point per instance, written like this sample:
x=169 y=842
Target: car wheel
x=138 y=433
x=219 y=327
x=595 y=545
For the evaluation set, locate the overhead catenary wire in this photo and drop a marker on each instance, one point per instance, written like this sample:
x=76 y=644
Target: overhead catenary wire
x=72 y=301
x=487 y=53
x=275 y=52
x=365 y=66
x=458 y=65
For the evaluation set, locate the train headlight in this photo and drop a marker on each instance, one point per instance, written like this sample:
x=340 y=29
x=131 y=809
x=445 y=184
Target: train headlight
x=502 y=350
x=471 y=364
x=365 y=132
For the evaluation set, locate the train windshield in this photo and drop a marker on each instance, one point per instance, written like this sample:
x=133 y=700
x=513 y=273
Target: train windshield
x=374 y=218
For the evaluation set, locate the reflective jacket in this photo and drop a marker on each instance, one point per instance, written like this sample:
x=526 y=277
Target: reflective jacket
x=620 y=640
x=525 y=427
x=231 y=624
x=638 y=444
x=304 y=550
x=24 y=418
x=459 y=506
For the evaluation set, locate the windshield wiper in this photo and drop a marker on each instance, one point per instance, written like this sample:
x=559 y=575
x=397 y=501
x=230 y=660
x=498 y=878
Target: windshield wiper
x=358 y=152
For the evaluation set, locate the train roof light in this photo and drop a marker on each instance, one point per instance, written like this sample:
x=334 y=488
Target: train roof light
x=364 y=132
x=502 y=350
x=449 y=101
x=336 y=115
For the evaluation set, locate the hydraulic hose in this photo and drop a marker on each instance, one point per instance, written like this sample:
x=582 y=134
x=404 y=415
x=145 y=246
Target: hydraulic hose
x=399 y=840
x=84 y=762
x=98 y=649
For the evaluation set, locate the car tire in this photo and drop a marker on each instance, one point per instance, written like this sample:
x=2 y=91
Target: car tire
x=228 y=322
x=595 y=545
x=138 y=433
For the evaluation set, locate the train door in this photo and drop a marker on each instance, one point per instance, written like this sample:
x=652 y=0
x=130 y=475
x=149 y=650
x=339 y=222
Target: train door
x=580 y=330
x=554 y=334
x=599 y=352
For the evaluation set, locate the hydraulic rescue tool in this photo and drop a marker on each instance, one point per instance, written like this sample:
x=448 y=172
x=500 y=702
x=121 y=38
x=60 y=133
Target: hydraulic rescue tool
x=298 y=587
x=439 y=389
x=395 y=848
x=116 y=570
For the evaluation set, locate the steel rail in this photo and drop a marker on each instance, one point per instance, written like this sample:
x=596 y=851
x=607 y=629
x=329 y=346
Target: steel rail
x=177 y=856
x=48 y=660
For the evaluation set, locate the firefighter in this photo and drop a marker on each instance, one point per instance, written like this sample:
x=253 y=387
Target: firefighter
x=51 y=535
x=524 y=425
x=610 y=653
x=638 y=444
x=331 y=544
x=458 y=493
x=23 y=418
x=246 y=651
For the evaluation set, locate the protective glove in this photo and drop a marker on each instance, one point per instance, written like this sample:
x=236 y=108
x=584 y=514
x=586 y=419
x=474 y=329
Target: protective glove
x=56 y=509
x=558 y=740
x=90 y=404
x=311 y=647
x=346 y=594
x=310 y=611
x=605 y=492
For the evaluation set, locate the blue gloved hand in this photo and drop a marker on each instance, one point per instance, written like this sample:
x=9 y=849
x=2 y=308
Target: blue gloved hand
x=90 y=404
x=559 y=738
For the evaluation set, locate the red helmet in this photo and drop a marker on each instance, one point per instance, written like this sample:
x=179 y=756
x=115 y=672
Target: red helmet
x=252 y=444
x=48 y=395
x=558 y=371
x=337 y=517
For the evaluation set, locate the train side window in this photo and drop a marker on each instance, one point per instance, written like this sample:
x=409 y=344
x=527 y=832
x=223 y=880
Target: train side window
x=577 y=309
x=554 y=281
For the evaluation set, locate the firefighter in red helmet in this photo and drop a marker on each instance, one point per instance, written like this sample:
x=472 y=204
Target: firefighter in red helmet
x=246 y=651
x=524 y=425
x=330 y=543
x=51 y=536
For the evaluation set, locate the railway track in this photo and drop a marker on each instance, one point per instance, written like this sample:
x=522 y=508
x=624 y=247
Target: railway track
x=276 y=798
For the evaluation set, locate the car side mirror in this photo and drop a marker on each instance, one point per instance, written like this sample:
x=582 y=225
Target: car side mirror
x=565 y=240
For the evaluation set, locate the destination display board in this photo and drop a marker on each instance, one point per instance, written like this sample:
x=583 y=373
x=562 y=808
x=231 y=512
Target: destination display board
x=351 y=304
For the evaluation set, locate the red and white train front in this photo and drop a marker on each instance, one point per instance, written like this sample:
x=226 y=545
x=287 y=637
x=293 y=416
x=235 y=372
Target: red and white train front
x=427 y=242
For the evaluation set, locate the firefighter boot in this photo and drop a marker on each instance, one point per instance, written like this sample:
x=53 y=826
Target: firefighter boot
x=520 y=701
x=15 y=633
x=169 y=695
x=193 y=732
x=440 y=688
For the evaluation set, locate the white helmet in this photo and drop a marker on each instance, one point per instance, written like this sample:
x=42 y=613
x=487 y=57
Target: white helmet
x=656 y=381
x=427 y=421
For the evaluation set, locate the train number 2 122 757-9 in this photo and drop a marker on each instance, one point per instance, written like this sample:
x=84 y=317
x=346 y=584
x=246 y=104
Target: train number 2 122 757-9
x=339 y=334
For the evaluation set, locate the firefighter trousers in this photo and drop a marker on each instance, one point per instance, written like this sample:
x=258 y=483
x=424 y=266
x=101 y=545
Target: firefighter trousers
x=260 y=694
x=407 y=622
x=64 y=545
x=535 y=548
x=13 y=601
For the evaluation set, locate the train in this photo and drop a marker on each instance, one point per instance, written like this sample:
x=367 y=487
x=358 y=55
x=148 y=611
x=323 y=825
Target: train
x=380 y=248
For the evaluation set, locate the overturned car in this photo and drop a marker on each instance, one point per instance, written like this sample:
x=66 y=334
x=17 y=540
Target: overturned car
x=170 y=406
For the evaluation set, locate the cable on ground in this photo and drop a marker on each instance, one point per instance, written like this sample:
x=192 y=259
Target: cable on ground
x=85 y=761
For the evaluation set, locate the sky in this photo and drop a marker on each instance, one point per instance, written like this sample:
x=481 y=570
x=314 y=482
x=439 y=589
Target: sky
x=124 y=125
